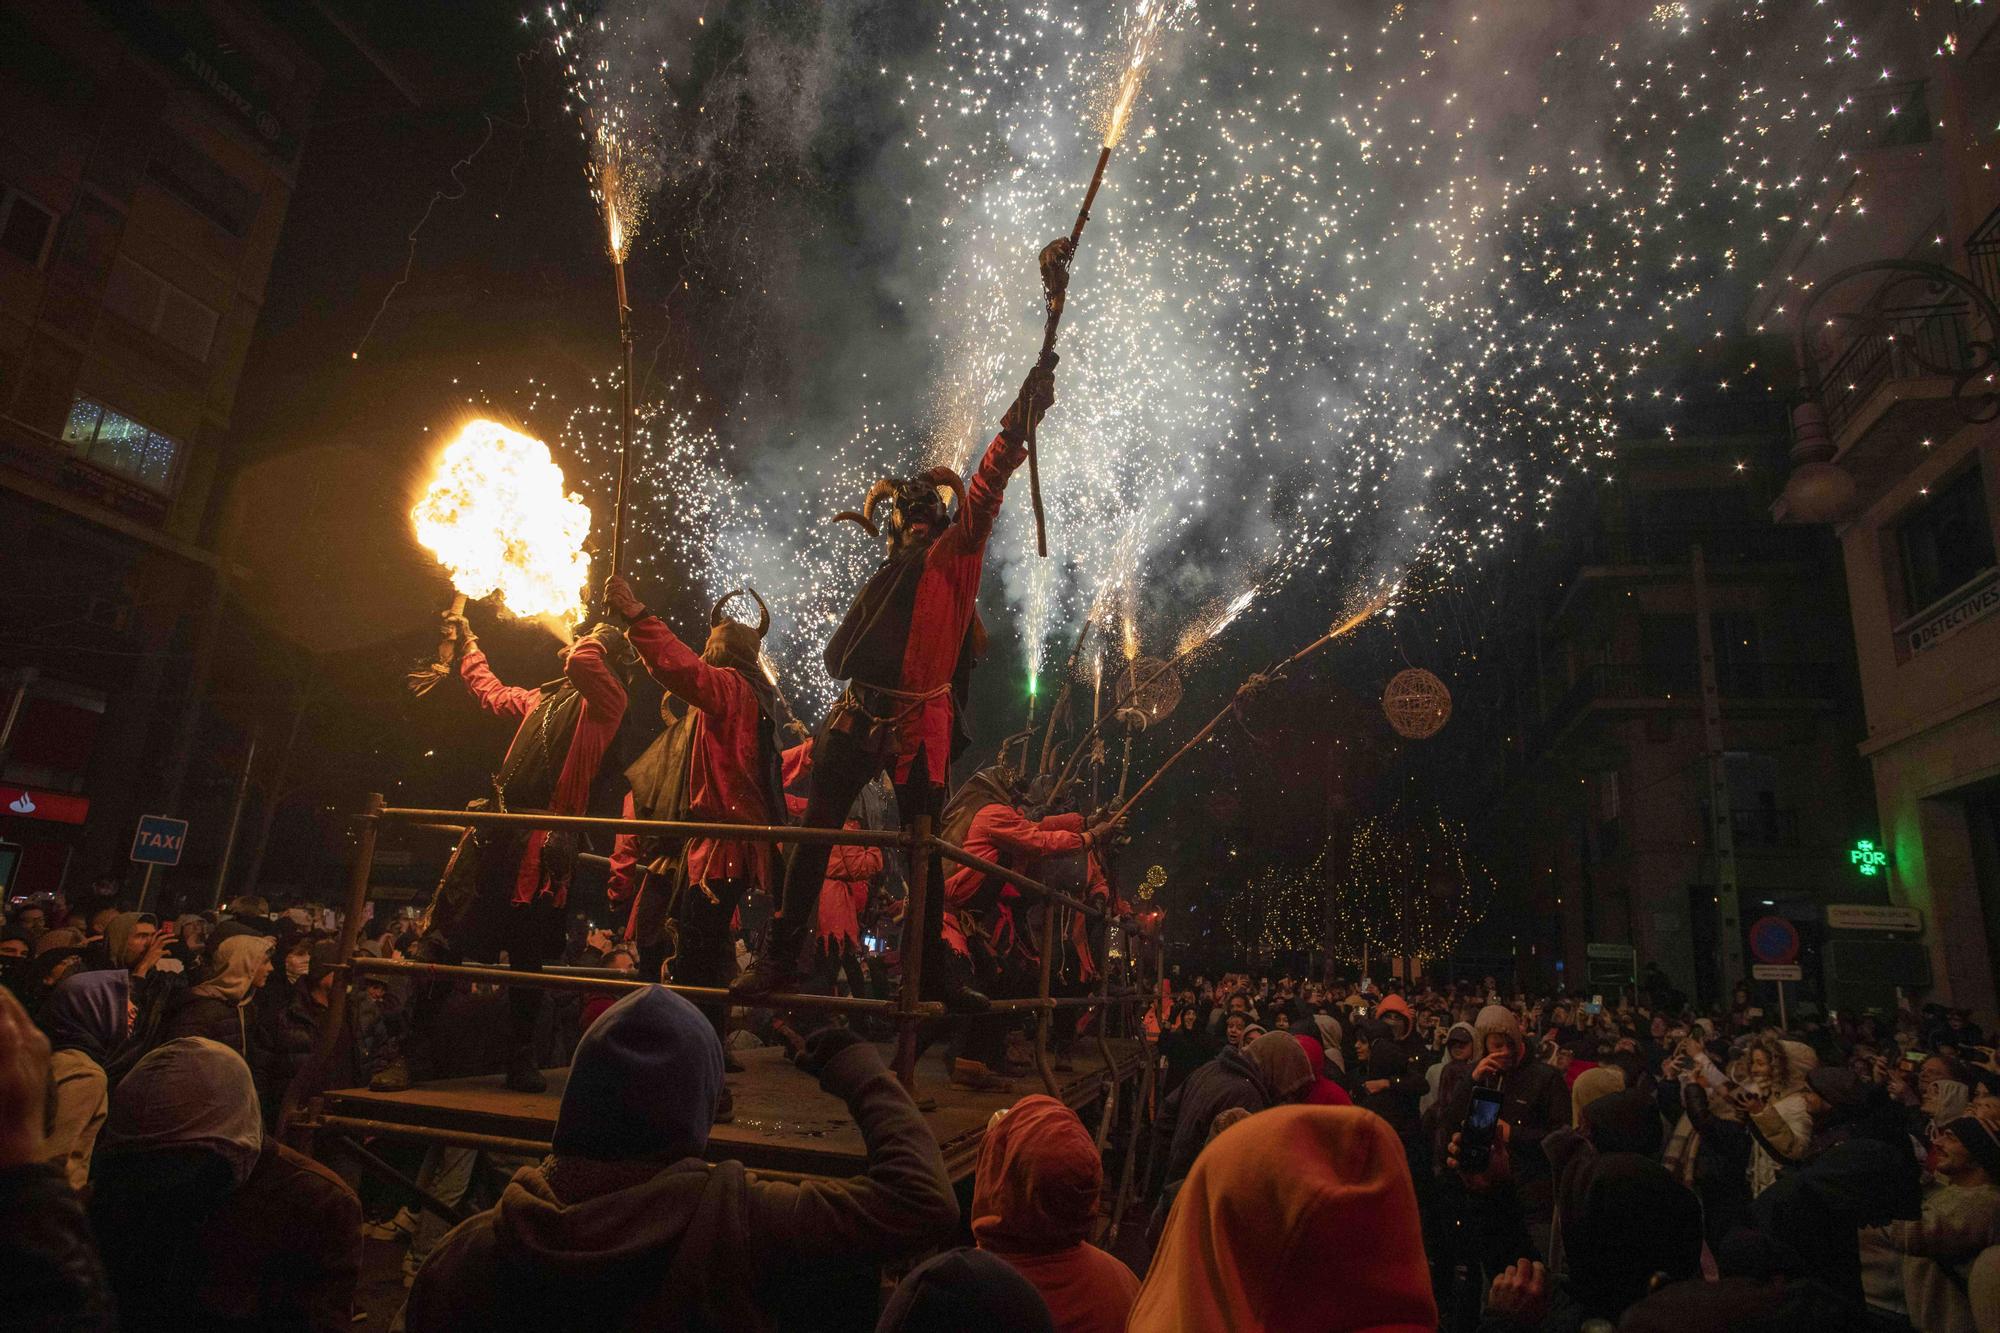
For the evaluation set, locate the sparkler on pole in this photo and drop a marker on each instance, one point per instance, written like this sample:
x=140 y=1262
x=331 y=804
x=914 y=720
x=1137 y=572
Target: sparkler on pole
x=608 y=181
x=1258 y=682
x=1147 y=21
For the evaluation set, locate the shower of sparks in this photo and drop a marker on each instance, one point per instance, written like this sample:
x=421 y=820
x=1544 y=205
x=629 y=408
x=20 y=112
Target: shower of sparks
x=1387 y=286
x=497 y=515
x=614 y=90
x=1147 y=23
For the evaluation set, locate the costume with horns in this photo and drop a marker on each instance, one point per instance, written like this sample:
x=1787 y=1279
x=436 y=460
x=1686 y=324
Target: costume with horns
x=906 y=648
x=503 y=890
x=716 y=763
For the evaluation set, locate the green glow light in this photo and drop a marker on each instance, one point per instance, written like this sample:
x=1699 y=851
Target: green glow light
x=1034 y=687
x=1867 y=858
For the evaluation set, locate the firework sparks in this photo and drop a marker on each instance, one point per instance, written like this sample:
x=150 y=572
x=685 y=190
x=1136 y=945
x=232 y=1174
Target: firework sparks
x=1357 y=293
x=497 y=516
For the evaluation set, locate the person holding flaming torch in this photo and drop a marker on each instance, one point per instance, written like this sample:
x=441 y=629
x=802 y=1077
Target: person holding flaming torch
x=508 y=890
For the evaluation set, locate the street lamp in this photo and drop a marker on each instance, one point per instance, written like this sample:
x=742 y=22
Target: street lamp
x=1820 y=490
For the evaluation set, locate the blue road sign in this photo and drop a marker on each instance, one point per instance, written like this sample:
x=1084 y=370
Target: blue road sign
x=159 y=840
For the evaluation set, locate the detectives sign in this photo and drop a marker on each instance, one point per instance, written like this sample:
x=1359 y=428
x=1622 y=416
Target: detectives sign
x=1969 y=607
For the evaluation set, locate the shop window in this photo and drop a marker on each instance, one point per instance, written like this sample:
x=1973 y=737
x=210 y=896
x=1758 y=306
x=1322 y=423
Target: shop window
x=116 y=443
x=1948 y=542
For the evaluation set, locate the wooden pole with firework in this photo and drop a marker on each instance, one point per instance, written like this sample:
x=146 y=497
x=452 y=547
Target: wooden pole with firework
x=1255 y=684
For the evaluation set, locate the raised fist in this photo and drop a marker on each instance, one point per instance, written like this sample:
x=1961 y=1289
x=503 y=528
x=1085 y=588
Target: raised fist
x=619 y=599
x=1037 y=396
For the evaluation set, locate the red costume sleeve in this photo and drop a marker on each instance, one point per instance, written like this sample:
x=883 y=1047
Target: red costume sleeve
x=982 y=498
x=504 y=700
x=796 y=762
x=603 y=693
x=1006 y=829
x=678 y=668
x=624 y=876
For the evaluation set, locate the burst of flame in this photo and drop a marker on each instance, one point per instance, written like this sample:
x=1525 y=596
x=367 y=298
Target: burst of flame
x=497 y=516
x=1367 y=610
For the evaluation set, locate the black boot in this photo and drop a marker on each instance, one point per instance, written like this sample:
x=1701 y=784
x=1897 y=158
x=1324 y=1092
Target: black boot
x=944 y=982
x=777 y=967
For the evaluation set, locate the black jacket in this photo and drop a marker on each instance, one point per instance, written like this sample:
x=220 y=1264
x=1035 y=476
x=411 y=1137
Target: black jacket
x=50 y=1273
x=1230 y=1079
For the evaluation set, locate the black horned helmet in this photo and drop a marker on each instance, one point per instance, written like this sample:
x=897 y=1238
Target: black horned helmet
x=731 y=642
x=909 y=499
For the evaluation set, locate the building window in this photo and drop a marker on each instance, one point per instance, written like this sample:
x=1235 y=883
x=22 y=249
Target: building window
x=1948 y=542
x=160 y=308
x=198 y=181
x=116 y=443
x=26 y=228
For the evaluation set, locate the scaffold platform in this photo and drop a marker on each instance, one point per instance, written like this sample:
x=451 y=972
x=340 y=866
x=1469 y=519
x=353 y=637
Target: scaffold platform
x=783 y=1122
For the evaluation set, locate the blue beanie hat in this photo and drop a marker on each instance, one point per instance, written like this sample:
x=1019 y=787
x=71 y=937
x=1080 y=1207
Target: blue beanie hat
x=643 y=1083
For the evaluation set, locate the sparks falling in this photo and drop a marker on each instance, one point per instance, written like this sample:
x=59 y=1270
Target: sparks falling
x=1392 y=282
x=498 y=516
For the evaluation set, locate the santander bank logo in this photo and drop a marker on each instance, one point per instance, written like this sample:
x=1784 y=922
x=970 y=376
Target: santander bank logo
x=23 y=804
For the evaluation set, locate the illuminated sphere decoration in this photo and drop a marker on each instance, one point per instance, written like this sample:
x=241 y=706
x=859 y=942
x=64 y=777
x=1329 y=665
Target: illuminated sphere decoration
x=1416 y=703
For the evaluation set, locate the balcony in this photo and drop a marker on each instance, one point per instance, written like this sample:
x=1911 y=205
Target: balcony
x=1892 y=384
x=1640 y=687
x=1982 y=250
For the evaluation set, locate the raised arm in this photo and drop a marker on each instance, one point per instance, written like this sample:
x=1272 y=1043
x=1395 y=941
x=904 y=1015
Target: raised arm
x=677 y=667
x=899 y=1206
x=501 y=700
x=1007 y=452
x=1004 y=827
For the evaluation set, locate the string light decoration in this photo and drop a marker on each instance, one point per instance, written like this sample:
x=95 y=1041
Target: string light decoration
x=1410 y=888
x=1417 y=704
x=1156 y=879
x=1280 y=911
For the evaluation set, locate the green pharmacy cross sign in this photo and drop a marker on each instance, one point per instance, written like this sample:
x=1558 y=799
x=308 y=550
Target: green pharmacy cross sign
x=1867 y=858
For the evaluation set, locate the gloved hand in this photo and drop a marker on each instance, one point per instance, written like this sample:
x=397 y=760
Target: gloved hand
x=1037 y=396
x=459 y=628
x=822 y=1046
x=621 y=601
x=1054 y=263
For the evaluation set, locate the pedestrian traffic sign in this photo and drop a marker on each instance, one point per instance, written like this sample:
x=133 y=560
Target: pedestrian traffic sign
x=159 y=840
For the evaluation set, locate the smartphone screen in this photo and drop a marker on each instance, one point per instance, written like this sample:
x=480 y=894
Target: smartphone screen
x=1485 y=1109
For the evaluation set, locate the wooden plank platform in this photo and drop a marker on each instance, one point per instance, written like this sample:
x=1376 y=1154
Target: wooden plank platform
x=783 y=1121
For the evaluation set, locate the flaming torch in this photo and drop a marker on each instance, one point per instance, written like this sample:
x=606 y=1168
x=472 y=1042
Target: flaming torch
x=499 y=518
x=1145 y=24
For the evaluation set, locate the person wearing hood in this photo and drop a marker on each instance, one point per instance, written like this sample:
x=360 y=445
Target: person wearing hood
x=1263 y=1073
x=1383 y=1081
x=218 y=1007
x=132 y=941
x=204 y=1222
x=1773 y=1101
x=1458 y=1042
x=1034 y=1197
x=1245 y=1245
x=626 y=1226
x=50 y=1274
x=1332 y=1040
x=1184 y=1048
x=1626 y=1226
x=1324 y=1091
x=87 y=1019
x=963 y=1289
x=1534 y=1102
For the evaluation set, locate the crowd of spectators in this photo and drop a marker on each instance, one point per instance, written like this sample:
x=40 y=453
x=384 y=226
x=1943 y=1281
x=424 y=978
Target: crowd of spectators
x=1315 y=1160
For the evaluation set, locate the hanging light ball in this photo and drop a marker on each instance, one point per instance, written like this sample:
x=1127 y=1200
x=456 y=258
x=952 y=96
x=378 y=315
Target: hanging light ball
x=1416 y=703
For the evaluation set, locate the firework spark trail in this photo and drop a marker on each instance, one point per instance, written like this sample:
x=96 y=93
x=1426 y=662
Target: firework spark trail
x=1360 y=294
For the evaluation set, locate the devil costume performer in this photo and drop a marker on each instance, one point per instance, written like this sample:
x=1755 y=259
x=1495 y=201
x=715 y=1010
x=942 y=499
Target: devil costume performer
x=906 y=648
x=718 y=763
x=507 y=889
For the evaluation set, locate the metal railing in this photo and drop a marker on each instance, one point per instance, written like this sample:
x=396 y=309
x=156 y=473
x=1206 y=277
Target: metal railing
x=1982 y=254
x=1910 y=342
x=906 y=1011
